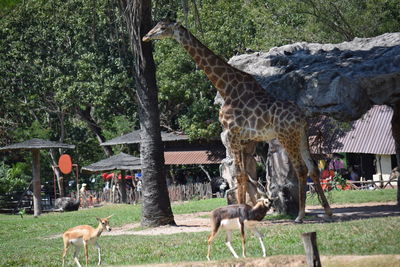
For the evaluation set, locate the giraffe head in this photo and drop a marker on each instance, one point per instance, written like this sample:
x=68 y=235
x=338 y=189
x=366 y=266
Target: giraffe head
x=163 y=29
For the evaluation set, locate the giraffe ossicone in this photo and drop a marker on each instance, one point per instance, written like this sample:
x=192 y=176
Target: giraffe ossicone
x=250 y=114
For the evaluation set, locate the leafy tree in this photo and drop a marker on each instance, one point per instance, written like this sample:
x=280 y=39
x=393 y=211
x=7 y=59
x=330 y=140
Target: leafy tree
x=62 y=59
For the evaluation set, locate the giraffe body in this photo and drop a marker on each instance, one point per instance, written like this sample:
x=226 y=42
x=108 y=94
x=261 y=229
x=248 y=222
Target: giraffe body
x=249 y=114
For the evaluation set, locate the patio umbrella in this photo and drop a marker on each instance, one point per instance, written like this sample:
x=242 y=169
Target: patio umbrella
x=121 y=162
x=35 y=145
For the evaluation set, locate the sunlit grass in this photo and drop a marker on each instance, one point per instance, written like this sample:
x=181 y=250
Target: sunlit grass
x=355 y=196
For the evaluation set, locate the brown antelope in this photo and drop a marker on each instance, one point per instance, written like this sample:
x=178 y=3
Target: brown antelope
x=82 y=236
x=239 y=216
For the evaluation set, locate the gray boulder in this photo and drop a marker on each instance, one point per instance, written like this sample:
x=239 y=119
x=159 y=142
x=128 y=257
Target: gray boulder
x=67 y=204
x=339 y=80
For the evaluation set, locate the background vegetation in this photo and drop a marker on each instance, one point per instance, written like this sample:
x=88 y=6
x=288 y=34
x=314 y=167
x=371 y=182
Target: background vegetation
x=66 y=74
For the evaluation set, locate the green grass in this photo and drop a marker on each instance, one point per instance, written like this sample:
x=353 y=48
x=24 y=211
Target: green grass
x=22 y=241
x=355 y=196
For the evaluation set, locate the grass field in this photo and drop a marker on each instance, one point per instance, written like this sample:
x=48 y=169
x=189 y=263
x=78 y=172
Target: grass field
x=23 y=241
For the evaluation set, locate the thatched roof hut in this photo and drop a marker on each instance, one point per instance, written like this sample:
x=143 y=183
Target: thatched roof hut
x=120 y=161
x=134 y=138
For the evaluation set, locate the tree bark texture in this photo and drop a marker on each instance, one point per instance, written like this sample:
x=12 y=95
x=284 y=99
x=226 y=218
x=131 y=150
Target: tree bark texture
x=396 y=137
x=156 y=206
x=281 y=177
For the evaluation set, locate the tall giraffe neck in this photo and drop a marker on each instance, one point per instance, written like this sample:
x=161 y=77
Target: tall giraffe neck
x=219 y=72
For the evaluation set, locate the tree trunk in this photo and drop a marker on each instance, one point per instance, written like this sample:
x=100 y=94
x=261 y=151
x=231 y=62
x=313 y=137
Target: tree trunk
x=396 y=137
x=282 y=179
x=156 y=206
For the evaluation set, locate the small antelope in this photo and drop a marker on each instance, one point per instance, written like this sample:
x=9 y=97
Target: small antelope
x=82 y=236
x=239 y=216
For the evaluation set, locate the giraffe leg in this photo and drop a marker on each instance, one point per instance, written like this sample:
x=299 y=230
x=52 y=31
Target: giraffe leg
x=314 y=174
x=252 y=191
x=250 y=166
x=322 y=197
x=242 y=186
x=293 y=150
x=241 y=177
x=302 y=198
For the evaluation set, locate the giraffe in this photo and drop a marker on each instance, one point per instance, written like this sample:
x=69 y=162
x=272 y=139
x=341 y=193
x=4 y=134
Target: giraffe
x=249 y=114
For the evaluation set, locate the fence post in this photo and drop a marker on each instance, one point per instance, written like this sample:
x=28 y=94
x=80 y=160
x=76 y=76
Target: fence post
x=310 y=246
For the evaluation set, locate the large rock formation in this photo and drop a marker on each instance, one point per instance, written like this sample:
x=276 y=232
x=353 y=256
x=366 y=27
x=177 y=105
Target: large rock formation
x=340 y=80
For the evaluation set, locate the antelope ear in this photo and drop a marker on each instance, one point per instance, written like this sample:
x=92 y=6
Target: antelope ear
x=97 y=218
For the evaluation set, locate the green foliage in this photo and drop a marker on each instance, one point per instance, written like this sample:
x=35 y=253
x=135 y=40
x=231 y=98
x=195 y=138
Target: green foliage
x=7 y=5
x=13 y=179
x=58 y=57
x=35 y=130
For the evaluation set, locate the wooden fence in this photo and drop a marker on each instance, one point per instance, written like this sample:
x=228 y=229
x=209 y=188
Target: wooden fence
x=93 y=198
x=176 y=193
x=189 y=191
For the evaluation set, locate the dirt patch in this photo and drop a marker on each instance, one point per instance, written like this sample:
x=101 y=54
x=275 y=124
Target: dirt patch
x=200 y=222
x=295 y=261
x=186 y=223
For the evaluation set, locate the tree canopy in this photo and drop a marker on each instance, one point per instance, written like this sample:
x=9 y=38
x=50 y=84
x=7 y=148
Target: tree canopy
x=66 y=70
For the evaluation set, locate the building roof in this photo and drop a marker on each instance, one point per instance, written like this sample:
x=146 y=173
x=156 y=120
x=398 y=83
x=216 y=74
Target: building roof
x=194 y=157
x=37 y=143
x=134 y=138
x=120 y=161
x=371 y=134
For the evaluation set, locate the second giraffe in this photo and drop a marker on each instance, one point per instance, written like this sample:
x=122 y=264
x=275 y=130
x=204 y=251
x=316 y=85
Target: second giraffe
x=250 y=114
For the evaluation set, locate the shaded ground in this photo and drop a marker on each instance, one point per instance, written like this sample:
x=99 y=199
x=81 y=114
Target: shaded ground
x=200 y=222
